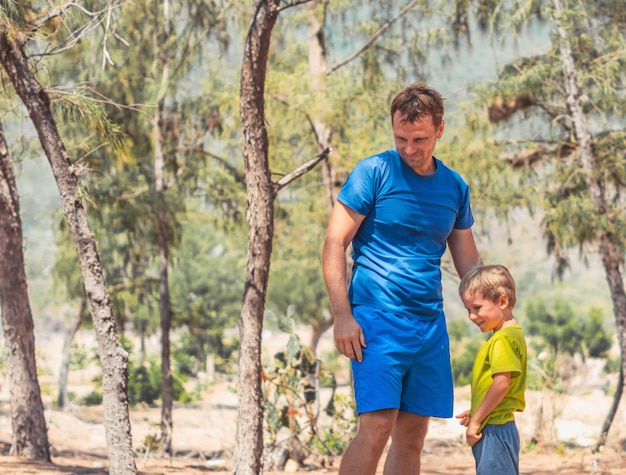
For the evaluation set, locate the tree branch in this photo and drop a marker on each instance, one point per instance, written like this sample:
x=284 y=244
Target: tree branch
x=301 y=170
x=56 y=12
x=530 y=156
x=293 y=4
x=306 y=116
x=373 y=39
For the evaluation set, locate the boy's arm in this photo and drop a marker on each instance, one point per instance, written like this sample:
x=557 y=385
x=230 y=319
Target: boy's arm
x=495 y=394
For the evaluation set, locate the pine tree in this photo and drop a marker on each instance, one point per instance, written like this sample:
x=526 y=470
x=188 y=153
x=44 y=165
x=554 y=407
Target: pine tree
x=575 y=92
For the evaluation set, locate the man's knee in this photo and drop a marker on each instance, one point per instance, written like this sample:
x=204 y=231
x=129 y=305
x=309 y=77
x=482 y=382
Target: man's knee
x=376 y=428
x=410 y=431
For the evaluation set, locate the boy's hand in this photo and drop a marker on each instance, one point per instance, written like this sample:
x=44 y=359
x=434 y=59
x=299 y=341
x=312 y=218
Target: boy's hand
x=465 y=418
x=472 y=434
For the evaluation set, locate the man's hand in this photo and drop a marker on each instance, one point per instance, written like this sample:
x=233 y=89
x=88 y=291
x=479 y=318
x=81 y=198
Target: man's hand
x=349 y=338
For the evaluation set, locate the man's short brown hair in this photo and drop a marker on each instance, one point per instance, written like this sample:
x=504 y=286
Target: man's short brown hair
x=417 y=101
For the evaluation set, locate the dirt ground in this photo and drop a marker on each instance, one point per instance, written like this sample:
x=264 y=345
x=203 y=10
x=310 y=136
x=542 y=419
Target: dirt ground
x=204 y=439
x=442 y=459
x=204 y=432
x=204 y=435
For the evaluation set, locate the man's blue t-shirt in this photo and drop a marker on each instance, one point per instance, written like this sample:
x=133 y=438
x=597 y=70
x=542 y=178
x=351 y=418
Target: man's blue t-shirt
x=408 y=218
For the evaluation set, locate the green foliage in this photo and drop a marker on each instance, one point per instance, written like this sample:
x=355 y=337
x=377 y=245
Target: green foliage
x=82 y=106
x=296 y=281
x=532 y=128
x=596 y=338
x=335 y=436
x=563 y=331
x=458 y=329
x=112 y=144
x=79 y=358
x=145 y=383
x=613 y=365
x=463 y=362
x=151 y=74
x=151 y=444
x=66 y=270
x=292 y=392
x=3 y=359
x=185 y=354
x=206 y=289
x=542 y=373
x=93 y=398
x=189 y=353
x=141 y=383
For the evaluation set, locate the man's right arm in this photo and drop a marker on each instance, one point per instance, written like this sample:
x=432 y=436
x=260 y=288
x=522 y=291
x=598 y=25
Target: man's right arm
x=342 y=227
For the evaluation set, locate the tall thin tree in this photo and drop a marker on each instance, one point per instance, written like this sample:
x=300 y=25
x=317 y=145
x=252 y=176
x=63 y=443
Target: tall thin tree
x=162 y=53
x=261 y=195
x=113 y=357
x=30 y=436
x=610 y=243
x=576 y=89
x=248 y=457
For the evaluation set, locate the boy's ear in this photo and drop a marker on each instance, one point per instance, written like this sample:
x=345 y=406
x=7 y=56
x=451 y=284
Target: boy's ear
x=503 y=301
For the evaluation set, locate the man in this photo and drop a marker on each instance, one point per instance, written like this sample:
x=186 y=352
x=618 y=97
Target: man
x=399 y=209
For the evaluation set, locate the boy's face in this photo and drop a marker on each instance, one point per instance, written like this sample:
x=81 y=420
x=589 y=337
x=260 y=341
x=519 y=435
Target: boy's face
x=485 y=314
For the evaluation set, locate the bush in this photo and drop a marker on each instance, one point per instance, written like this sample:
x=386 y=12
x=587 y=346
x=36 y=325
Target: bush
x=145 y=384
x=292 y=401
x=94 y=398
x=463 y=363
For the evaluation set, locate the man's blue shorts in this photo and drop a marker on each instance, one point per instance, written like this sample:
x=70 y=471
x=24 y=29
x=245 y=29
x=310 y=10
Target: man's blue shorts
x=406 y=364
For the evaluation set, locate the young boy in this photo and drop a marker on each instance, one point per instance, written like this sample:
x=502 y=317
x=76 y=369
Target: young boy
x=499 y=372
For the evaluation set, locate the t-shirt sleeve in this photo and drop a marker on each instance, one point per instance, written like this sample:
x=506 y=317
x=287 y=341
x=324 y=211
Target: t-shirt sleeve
x=358 y=191
x=465 y=218
x=504 y=358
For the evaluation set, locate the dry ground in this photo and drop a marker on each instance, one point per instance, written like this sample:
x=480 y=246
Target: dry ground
x=204 y=435
x=204 y=432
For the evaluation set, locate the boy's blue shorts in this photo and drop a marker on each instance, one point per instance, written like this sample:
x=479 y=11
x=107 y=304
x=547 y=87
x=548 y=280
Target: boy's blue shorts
x=406 y=364
x=498 y=450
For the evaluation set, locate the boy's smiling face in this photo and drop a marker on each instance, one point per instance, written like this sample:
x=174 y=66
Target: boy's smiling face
x=485 y=314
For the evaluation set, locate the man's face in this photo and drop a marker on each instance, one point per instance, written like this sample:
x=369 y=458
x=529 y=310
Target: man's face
x=416 y=142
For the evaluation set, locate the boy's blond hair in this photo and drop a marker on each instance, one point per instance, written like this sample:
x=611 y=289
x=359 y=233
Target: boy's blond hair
x=489 y=281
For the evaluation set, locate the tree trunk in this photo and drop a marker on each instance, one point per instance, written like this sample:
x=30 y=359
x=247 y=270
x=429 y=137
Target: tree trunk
x=167 y=423
x=608 y=421
x=66 y=355
x=613 y=261
x=30 y=436
x=318 y=67
x=113 y=357
x=249 y=447
x=612 y=257
x=161 y=53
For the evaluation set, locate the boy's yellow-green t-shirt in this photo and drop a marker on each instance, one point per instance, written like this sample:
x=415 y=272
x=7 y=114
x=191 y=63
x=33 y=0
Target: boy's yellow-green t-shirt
x=503 y=352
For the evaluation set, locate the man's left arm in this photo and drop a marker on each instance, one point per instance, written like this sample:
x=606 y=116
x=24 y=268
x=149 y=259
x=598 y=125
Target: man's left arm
x=463 y=250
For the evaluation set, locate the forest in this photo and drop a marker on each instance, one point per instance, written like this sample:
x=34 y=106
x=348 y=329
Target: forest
x=167 y=169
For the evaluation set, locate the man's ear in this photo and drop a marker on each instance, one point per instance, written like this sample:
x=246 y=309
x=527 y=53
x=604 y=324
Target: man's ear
x=440 y=128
